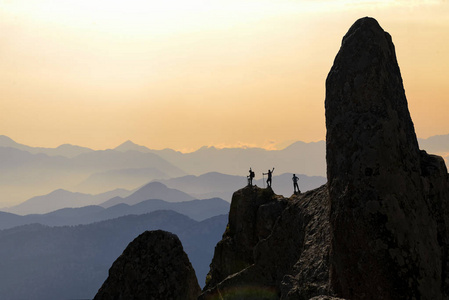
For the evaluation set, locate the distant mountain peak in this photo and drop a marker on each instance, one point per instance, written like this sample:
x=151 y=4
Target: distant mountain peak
x=131 y=146
x=129 y=142
x=5 y=138
x=6 y=141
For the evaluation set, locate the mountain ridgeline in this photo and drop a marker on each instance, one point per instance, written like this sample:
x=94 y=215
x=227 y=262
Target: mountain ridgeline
x=30 y=171
x=27 y=171
x=379 y=228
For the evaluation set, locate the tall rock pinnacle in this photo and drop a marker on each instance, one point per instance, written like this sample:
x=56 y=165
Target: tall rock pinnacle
x=386 y=241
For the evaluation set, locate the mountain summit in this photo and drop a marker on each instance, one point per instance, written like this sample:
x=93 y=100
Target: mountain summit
x=130 y=146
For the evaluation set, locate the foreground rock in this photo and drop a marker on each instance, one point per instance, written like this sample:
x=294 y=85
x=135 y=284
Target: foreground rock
x=389 y=201
x=153 y=266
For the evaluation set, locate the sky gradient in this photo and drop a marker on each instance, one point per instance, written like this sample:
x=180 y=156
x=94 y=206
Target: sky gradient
x=185 y=74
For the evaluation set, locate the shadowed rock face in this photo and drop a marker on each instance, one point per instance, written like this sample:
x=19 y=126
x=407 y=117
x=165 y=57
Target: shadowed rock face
x=153 y=266
x=252 y=215
x=378 y=230
x=387 y=241
x=273 y=248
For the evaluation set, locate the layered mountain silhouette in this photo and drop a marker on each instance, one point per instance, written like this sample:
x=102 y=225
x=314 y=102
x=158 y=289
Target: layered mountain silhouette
x=65 y=150
x=300 y=157
x=61 y=199
x=215 y=184
x=30 y=171
x=184 y=188
x=152 y=190
x=123 y=178
x=195 y=209
x=71 y=262
x=24 y=175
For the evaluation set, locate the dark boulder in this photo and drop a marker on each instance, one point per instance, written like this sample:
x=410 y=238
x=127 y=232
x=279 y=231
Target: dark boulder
x=153 y=266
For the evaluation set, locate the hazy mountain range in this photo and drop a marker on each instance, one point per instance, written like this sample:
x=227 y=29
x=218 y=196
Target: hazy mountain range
x=65 y=150
x=61 y=199
x=23 y=175
x=30 y=171
x=180 y=189
x=197 y=210
x=215 y=184
x=437 y=144
x=71 y=262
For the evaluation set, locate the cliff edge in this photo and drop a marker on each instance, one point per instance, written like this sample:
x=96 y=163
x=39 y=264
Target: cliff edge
x=389 y=200
x=379 y=229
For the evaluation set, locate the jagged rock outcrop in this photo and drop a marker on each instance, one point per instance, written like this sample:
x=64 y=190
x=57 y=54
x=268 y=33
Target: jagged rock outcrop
x=153 y=266
x=378 y=230
x=389 y=201
x=285 y=244
x=252 y=215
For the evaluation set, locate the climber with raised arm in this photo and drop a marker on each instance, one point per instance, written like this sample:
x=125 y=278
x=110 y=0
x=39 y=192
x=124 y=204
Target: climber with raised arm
x=269 y=174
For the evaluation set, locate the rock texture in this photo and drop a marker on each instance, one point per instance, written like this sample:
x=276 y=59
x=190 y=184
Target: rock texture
x=389 y=201
x=378 y=230
x=153 y=266
x=273 y=248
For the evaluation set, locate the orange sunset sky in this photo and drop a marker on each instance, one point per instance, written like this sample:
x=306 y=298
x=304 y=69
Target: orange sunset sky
x=189 y=73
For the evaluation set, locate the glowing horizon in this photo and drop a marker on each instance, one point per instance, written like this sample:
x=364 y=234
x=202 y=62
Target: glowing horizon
x=187 y=74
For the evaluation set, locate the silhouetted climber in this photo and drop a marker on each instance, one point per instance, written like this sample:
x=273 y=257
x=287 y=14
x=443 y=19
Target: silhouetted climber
x=295 y=185
x=269 y=177
x=250 y=177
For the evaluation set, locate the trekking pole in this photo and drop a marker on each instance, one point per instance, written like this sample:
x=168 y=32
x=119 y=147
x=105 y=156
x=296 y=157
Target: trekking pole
x=263 y=180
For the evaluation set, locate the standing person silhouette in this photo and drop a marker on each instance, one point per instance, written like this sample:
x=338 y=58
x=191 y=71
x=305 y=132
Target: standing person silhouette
x=269 y=177
x=250 y=177
x=295 y=184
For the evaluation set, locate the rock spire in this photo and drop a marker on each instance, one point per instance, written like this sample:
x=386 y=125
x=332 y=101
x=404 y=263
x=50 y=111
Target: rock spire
x=387 y=242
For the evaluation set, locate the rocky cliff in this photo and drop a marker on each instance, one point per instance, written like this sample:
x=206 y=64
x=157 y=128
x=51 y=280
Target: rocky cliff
x=273 y=248
x=153 y=266
x=379 y=229
x=389 y=200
